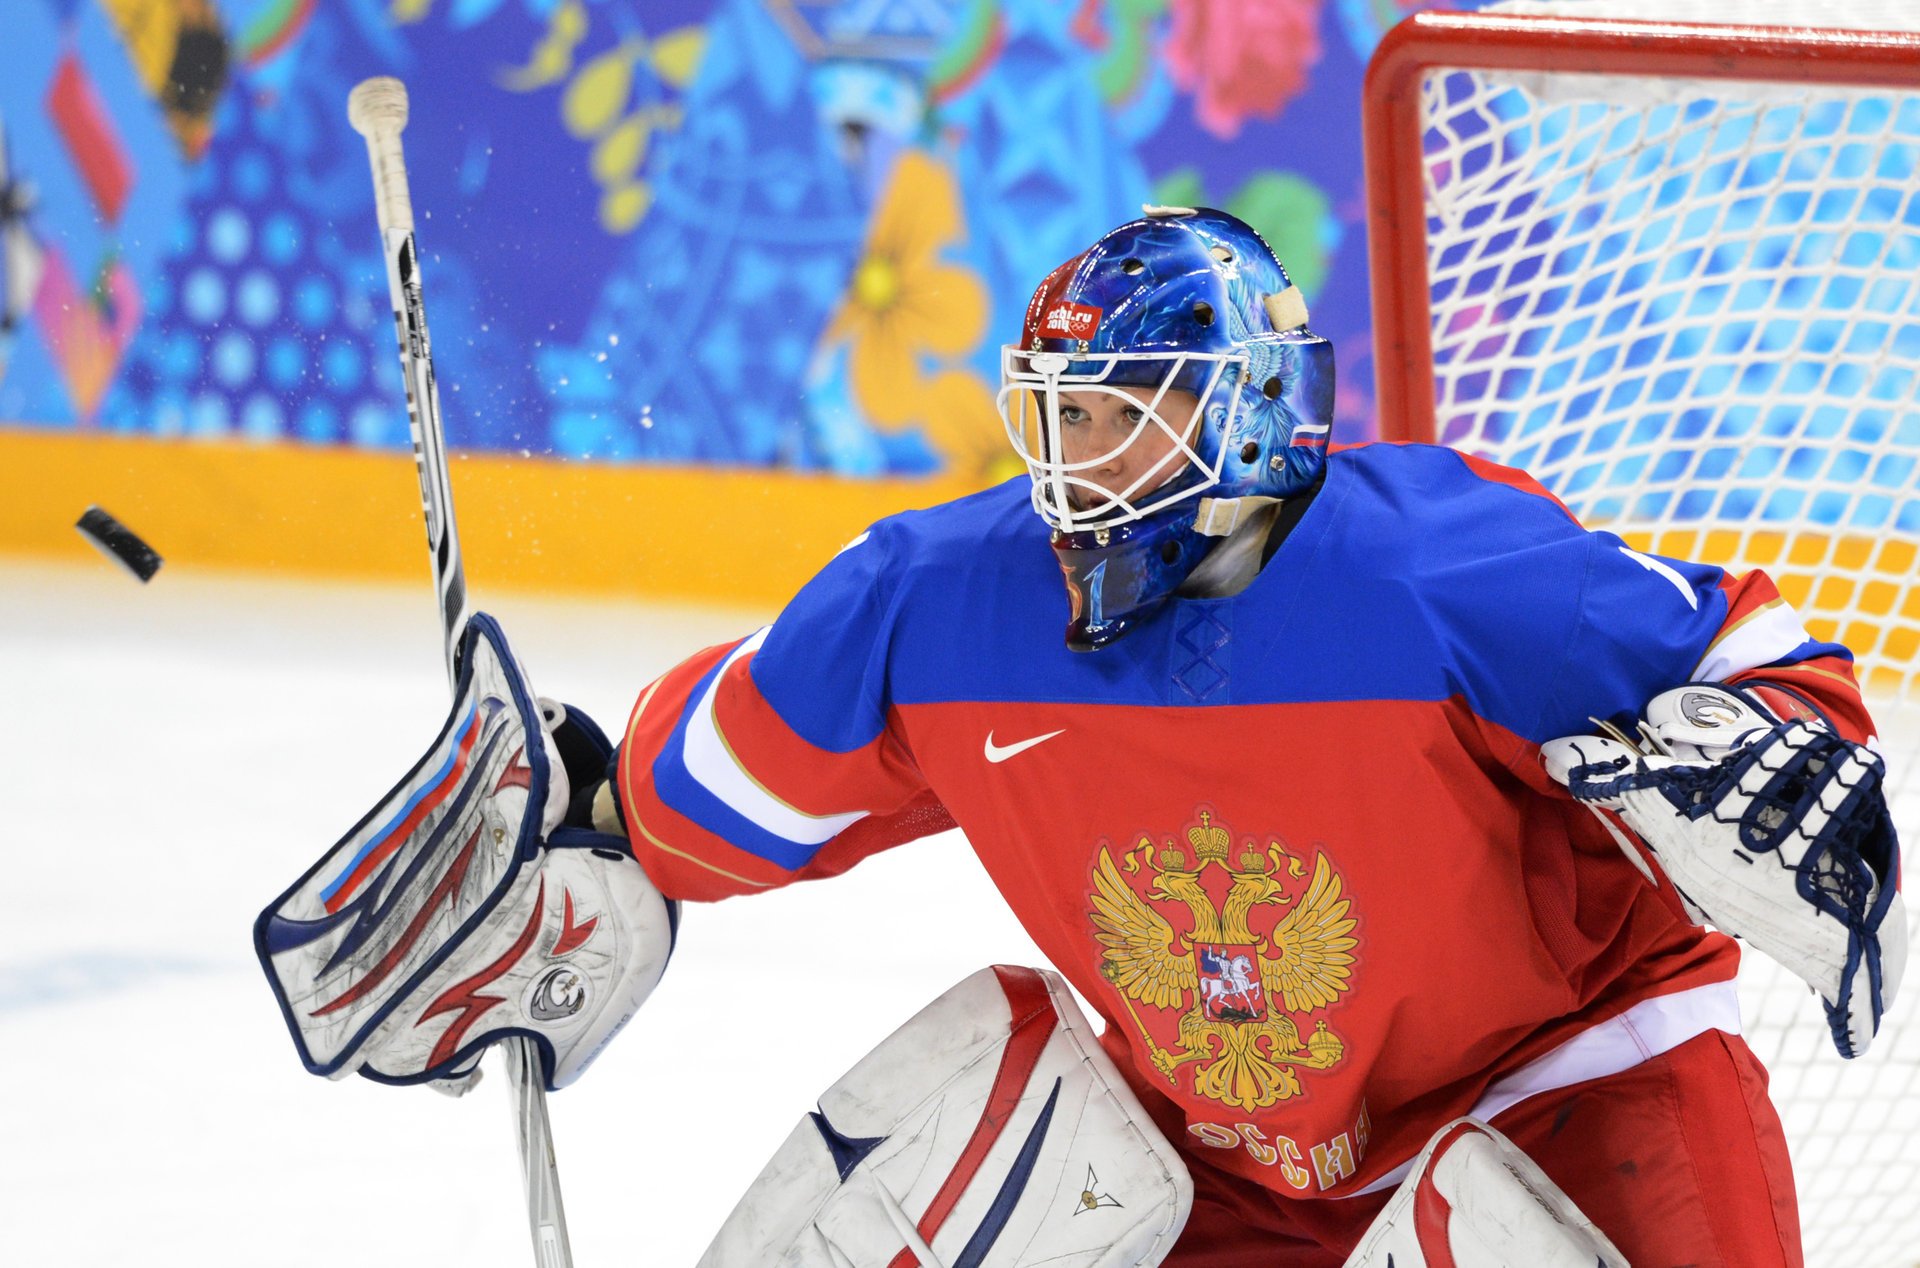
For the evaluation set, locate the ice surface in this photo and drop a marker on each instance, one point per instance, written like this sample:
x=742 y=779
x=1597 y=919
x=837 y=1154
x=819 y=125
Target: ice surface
x=175 y=754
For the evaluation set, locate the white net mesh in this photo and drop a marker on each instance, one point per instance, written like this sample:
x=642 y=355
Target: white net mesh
x=1692 y=310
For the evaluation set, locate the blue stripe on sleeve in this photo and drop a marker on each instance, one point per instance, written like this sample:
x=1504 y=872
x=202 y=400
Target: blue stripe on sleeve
x=684 y=794
x=1812 y=649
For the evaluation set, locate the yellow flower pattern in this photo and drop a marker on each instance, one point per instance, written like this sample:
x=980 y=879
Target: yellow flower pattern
x=904 y=306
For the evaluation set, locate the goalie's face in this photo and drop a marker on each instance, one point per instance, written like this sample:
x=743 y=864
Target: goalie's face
x=1121 y=445
x=1103 y=452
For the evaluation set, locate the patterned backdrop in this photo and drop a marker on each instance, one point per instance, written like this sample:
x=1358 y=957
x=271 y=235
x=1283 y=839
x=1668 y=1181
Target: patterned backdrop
x=783 y=233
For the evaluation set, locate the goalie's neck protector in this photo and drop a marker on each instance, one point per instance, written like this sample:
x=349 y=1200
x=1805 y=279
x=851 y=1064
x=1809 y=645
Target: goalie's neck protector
x=1165 y=384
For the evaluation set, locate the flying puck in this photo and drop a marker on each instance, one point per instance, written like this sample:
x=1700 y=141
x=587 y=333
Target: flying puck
x=119 y=543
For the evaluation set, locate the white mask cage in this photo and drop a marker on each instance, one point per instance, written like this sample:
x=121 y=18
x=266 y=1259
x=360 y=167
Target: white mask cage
x=1068 y=496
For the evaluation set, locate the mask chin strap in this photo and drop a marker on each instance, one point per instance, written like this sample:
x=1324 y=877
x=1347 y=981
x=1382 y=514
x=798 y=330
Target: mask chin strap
x=1218 y=517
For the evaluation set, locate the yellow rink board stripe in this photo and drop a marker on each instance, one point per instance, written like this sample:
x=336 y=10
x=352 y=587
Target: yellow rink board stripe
x=702 y=533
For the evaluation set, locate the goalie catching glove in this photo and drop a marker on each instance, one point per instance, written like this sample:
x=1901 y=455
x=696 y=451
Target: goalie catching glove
x=1775 y=832
x=463 y=909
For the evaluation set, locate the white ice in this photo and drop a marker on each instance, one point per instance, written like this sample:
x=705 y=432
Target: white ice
x=175 y=755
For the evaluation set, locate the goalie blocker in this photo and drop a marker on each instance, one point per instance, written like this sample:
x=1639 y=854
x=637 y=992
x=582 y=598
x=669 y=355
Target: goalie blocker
x=463 y=908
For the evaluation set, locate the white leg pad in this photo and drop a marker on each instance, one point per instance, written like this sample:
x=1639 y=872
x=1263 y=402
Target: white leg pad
x=990 y=1130
x=1474 y=1200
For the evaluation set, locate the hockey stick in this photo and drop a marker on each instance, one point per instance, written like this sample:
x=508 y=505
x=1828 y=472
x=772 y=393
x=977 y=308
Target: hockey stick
x=377 y=109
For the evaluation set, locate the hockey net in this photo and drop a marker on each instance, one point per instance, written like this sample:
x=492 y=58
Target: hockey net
x=1673 y=271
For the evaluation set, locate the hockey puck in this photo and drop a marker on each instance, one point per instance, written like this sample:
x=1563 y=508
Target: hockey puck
x=119 y=543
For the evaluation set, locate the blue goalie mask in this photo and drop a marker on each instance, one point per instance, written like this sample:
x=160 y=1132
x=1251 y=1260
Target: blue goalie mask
x=1164 y=386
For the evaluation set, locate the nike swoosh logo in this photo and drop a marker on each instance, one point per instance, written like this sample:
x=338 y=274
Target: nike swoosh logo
x=999 y=753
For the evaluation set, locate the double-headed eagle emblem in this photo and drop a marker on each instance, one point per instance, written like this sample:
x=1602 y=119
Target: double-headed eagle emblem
x=1223 y=974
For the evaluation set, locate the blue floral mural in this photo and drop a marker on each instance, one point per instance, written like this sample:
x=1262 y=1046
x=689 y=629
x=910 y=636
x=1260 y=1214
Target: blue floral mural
x=767 y=233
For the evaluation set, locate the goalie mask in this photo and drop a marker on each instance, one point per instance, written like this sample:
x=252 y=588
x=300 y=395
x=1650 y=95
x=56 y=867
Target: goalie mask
x=1165 y=385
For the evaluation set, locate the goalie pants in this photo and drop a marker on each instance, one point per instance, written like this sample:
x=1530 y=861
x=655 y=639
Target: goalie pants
x=1679 y=1160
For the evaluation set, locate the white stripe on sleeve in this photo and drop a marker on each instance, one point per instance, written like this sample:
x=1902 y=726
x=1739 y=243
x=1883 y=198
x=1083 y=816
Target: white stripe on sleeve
x=1765 y=635
x=710 y=762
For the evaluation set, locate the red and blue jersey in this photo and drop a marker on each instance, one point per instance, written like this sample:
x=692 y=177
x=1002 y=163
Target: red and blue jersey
x=1295 y=845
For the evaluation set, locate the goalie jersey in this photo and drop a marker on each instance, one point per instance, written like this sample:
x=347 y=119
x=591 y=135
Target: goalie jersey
x=1295 y=845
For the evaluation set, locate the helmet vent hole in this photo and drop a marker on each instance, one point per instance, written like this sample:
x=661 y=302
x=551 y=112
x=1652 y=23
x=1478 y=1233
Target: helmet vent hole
x=1272 y=388
x=1131 y=265
x=1221 y=254
x=1203 y=312
x=1249 y=451
x=1169 y=552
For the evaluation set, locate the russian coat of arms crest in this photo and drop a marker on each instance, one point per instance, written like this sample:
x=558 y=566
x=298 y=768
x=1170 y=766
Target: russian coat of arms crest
x=1230 y=954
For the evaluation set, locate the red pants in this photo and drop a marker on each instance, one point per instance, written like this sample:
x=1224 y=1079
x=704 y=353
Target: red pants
x=1680 y=1161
